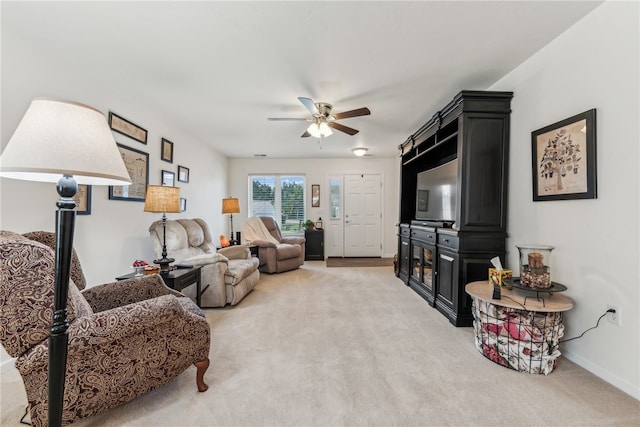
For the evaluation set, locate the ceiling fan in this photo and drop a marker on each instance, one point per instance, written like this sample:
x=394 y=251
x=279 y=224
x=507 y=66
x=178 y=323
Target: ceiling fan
x=322 y=121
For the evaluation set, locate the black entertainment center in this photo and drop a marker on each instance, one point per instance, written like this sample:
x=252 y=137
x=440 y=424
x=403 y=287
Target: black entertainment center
x=453 y=200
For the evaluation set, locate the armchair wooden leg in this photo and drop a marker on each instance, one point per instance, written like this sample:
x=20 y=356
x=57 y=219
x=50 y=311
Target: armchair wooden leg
x=201 y=367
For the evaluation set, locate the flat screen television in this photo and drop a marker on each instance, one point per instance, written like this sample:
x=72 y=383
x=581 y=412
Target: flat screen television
x=436 y=193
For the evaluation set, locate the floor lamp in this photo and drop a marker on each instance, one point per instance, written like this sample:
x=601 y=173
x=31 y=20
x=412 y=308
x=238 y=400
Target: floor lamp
x=163 y=199
x=70 y=144
x=230 y=206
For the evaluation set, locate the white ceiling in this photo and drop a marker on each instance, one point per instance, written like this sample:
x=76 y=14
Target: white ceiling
x=219 y=69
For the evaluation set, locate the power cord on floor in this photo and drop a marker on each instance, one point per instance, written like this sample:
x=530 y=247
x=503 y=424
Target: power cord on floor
x=611 y=310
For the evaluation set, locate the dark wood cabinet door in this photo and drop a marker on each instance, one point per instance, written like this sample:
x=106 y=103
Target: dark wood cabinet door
x=447 y=277
x=428 y=263
x=483 y=173
x=403 y=259
x=314 y=246
x=421 y=270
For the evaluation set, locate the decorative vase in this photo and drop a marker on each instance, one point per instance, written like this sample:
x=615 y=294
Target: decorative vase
x=535 y=265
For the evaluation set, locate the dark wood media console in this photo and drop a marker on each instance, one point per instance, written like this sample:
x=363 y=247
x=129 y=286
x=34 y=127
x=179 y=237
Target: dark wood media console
x=438 y=258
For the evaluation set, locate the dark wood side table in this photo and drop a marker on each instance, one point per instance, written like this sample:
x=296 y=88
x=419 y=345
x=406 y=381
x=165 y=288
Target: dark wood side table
x=255 y=250
x=178 y=279
x=314 y=245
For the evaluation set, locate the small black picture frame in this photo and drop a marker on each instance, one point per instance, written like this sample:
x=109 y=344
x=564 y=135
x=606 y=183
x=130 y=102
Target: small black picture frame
x=315 y=195
x=563 y=159
x=183 y=174
x=168 y=178
x=83 y=200
x=183 y=204
x=166 y=150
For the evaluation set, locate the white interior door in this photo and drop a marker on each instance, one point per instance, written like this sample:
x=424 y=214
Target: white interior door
x=363 y=215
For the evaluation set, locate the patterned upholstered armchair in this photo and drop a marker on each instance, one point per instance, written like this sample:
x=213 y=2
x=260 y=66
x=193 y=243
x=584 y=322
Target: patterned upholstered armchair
x=125 y=338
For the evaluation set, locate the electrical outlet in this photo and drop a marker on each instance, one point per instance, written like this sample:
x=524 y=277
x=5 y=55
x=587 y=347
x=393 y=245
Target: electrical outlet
x=613 y=317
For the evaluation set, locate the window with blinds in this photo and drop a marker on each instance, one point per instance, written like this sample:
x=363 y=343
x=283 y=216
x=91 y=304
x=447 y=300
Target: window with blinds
x=279 y=196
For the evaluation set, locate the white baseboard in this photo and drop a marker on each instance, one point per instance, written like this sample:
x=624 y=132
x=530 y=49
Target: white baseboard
x=609 y=377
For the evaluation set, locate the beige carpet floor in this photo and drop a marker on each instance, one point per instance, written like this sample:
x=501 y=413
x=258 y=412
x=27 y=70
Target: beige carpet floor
x=353 y=347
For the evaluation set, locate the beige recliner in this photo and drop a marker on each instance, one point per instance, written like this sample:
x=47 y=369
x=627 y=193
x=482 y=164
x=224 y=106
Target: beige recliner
x=227 y=274
x=276 y=253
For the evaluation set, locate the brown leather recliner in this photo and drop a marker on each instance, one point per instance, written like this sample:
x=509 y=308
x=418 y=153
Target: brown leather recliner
x=124 y=338
x=287 y=254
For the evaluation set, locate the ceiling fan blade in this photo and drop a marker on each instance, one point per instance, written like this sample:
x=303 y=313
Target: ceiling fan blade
x=364 y=111
x=309 y=105
x=305 y=134
x=343 y=128
x=281 y=119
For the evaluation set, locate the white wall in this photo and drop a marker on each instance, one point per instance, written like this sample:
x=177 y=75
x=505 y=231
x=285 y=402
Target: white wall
x=116 y=232
x=592 y=65
x=316 y=171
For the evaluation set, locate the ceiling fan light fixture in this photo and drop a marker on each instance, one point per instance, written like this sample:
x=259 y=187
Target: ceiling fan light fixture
x=359 y=151
x=319 y=130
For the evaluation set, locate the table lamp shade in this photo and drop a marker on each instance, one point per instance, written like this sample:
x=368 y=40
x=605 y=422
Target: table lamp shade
x=58 y=138
x=230 y=205
x=162 y=199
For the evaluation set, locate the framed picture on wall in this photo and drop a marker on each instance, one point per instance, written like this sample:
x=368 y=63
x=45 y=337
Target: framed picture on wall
x=315 y=196
x=168 y=178
x=564 y=159
x=166 y=153
x=127 y=128
x=183 y=174
x=83 y=200
x=137 y=164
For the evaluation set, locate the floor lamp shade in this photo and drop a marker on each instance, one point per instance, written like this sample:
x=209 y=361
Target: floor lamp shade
x=58 y=138
x=67 y=143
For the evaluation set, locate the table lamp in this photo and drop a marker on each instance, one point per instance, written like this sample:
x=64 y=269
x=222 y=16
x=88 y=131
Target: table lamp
x=230 y=206
x=163 y=199
x=68 y=143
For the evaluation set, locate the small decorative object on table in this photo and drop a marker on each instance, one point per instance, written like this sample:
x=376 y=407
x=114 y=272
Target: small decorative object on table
x=151 y=269
x=535 y=265
x=139 y=266
x=497 y=276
